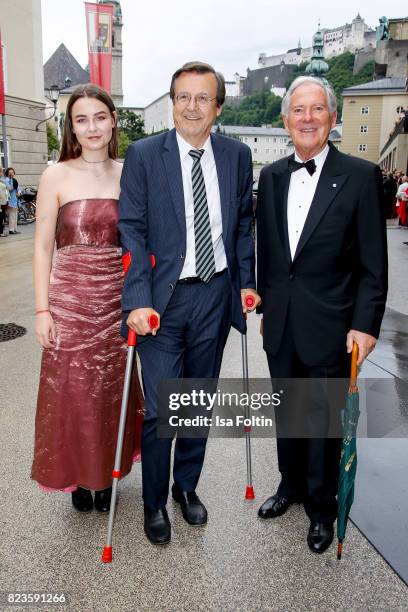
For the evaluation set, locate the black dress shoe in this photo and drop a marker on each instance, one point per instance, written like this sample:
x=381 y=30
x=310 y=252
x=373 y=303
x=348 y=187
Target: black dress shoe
x=274 y=506
x=320 y=536
x=157 y=525
x=103 y=499
x=193 y=510
x=82 y=500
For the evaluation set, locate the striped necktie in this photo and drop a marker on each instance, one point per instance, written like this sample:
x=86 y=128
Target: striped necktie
x=204 y=252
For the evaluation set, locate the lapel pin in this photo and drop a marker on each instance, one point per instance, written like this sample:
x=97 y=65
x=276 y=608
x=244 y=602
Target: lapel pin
x=334 y=184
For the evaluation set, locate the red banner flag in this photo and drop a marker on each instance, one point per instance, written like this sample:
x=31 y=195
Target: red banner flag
x=99 y=18
x=2 y=99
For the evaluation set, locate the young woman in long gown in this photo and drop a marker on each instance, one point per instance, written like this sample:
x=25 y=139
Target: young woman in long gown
x=78 y=311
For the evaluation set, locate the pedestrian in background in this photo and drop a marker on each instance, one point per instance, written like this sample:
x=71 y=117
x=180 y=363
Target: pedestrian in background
x=390 y=190
x=12 y=186
x=402 y=197
x=4 y=196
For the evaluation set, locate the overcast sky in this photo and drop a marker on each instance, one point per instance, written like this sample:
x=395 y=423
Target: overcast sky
x=160 y=35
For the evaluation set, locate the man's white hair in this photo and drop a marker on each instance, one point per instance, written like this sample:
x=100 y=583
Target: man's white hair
x=302 y=80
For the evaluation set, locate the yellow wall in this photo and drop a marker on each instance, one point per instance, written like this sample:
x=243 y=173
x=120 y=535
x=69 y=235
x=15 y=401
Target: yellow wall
x=353 y=119
x=381 y=121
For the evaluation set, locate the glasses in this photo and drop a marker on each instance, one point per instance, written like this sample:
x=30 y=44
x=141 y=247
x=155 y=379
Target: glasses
x=202 y=100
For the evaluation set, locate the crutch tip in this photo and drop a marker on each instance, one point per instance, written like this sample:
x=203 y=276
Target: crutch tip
x=249 y=493
x=107 y=554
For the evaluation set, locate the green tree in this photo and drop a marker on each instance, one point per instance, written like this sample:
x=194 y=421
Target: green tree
x=256 y=110
x=52 y=140
x=131 y=124
x=124 y=142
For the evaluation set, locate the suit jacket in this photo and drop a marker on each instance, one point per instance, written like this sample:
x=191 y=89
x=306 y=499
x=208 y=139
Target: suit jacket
x=337 y=280
x=152 y=220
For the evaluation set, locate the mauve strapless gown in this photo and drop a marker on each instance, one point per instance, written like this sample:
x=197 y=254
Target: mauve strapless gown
x=81 y=381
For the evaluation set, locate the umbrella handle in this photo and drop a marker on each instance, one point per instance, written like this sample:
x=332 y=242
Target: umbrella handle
x=353 y=370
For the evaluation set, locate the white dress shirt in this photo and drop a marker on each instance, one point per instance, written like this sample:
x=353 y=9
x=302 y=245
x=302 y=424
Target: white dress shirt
x=214 y=205
x=302 y=188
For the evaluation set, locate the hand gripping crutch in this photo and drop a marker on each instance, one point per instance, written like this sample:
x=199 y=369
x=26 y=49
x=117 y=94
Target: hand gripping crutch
x=107 y=550
x=131 y=342
x=249 y=492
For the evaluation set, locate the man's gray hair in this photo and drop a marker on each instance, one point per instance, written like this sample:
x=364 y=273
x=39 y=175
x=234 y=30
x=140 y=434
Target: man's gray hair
x=302 y=80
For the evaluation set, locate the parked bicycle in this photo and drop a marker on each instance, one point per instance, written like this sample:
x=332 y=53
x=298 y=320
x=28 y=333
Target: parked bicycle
x=27 y=206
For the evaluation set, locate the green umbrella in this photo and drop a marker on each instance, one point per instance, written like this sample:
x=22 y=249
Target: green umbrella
x=348 y=461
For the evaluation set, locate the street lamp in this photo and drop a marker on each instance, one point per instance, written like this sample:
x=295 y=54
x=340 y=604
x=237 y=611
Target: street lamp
x=53 y=95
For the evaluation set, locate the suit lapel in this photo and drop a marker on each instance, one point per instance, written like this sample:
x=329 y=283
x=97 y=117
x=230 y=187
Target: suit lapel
x=171 y=158
x=282 y=181
x=223 y=172
x=330 y=183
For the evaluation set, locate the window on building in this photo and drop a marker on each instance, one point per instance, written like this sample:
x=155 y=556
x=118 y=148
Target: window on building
x=246 y=139
x=255 y=139
x=365 y=110
x=255 y=150
x=364 y=129
x=266 y=150
x=362 y=147
x=267 y=139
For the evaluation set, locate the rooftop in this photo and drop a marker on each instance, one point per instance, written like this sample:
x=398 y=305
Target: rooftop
x=60 y=65
x=244 y=130
x=386 y=84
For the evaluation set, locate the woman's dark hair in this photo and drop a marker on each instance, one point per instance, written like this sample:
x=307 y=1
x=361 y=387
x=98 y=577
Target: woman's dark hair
x=15 y=181
x=200 y=68
x=70 y=148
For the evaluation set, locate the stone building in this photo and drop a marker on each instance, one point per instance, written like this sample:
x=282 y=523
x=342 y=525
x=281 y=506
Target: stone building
x=394 y=154
x=348 y=37
x=391 y=54
x=370 y=114
x=270 y=78
x=24 y=88
x=158 y=115
x=267 y=144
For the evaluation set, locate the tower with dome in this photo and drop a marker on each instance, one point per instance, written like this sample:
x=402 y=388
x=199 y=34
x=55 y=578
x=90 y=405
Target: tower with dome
x=317 y=66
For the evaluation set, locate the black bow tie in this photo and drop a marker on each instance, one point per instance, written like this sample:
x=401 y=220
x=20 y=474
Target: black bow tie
x=310 y=166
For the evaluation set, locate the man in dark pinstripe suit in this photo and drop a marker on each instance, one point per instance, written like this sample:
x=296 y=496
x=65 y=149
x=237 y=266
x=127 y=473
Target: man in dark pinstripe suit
x=187 y=199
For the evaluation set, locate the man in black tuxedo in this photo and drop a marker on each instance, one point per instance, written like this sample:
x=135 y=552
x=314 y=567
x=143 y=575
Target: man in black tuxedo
x=322 y=277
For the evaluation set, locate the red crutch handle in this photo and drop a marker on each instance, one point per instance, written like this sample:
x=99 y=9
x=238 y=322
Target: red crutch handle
x=249 y=301
x=127 y=260
x=154 y=321
x=154 y=324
